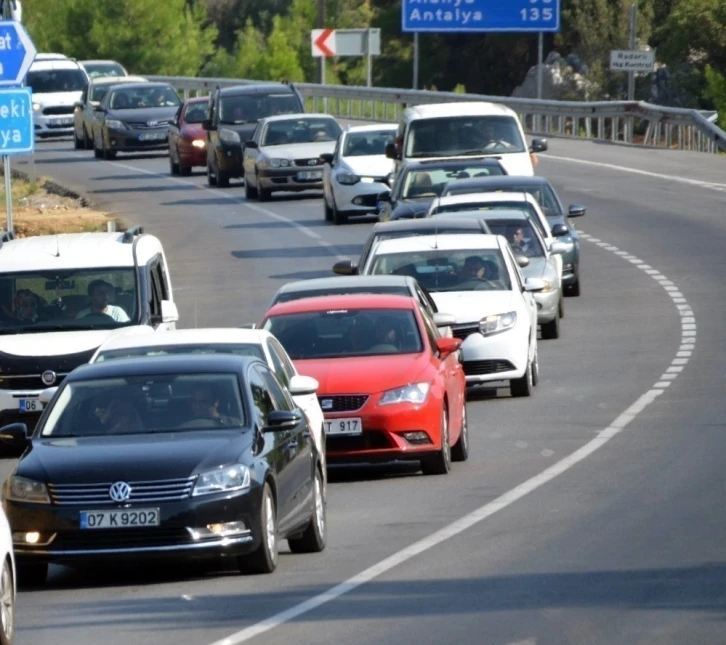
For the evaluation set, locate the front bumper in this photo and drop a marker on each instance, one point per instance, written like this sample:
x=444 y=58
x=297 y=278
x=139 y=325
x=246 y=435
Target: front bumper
x=500 y=357
x=229 y=159
x=53 y=124
x=130 y=140
x=360 y=198
x=177 y=536
x=290 y=178
x=191 y=156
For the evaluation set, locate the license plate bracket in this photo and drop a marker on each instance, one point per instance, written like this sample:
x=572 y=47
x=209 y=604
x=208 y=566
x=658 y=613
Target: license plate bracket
x=128 y=518
x=310 y=175
x=348 y=426
x=30 y=405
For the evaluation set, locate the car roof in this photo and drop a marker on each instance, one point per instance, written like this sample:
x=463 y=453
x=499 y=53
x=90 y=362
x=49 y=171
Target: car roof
x=256 y=88
x=180 y=364
x=439 y=242
x=443 y=162
x=457 y=109
x=76 y=251
x=500 y=180
x=300 y=115
x=494 y=213
x=211 y=335
x=110 y=80
x=132 y=85
x=99 y=60
x=343 y=282
x=376 y=127
x=57 y=63
x=423 y=223
x=346 y=301
x=485 y=197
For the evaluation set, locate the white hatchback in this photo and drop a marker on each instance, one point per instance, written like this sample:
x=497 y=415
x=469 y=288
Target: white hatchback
x=476 y=279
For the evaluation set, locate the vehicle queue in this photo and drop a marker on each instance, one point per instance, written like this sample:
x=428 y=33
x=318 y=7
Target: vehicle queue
x=216 y=443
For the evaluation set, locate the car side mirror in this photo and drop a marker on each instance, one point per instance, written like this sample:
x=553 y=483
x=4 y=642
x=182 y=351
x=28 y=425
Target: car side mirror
x=252 y=144
x=47 y=395
x=279 y=420
x=327 y=158
x=385 y=196
x=14 y=434
x=169 y=312
x=576 y=210
x=301 y=385
x=558 y=248
x=538 y=145
x=207 y=125
x=522 y=260
x=534 y=284
x=99 y=109
x=78 y=104
x=391 y=152
x=558 y=230
x=345 y=267
x=447 y=346
x=444 y=320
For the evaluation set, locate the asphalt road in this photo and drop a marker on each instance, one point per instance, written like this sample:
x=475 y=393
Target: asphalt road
x=593 y=511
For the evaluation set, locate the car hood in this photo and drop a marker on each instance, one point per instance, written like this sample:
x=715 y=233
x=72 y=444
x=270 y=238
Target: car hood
x=370 y=165
x=131 y=457
x=411 y=208
x=472 y=306
x=298 y=150
x=363 y=374
x=59 y=343
x=57 y=98
x=143 y=114
x=537 y=268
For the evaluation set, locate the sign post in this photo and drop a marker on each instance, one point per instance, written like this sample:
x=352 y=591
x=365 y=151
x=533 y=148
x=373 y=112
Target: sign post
x=346 y=42
x=17 y=135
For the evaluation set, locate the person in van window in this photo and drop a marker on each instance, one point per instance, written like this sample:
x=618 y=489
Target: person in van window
x=26 y=305
x=101 y=294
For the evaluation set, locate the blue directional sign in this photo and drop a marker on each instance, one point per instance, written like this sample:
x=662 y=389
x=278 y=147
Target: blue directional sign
x=480 y=15
x=17 y=52
x=17 y=135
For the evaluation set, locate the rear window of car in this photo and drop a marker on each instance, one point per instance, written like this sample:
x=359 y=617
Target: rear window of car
x=314 y=293
x=237 y=349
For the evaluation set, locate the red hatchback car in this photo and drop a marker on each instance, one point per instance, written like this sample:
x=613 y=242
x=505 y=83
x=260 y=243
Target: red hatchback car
x=391 y=387
x=187 y=140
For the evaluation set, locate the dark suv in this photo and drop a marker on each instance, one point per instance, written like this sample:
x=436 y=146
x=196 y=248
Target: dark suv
x=233 y=115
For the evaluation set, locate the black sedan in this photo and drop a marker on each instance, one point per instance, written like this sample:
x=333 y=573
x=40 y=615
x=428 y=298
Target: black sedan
x=134 y=117
x=418 y=183
x=165 y=457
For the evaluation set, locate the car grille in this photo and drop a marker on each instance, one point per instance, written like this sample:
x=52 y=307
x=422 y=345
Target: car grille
x=58 y=126
x=342 y=403
x=480 y=368
x=306 y=162
x=27 y=382
x=120 y=538
x=163 y=490
x=144 y=125
x=59 y=109
x=463 y=331
x=369 y=440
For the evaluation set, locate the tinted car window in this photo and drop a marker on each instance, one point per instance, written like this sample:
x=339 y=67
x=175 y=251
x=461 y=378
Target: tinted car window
x=308 y=130
x=249 y=108
x=280 y=398
x=56 y=80
x=360 y=144
x=143 y=97
x=429 y=181
x=196 y=112
x=300 y=295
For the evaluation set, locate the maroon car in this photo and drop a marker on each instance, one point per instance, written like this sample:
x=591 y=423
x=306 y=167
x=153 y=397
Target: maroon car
x=187 y=140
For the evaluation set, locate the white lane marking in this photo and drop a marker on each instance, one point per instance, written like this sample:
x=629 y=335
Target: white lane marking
x=473 y=518
x=637 y=171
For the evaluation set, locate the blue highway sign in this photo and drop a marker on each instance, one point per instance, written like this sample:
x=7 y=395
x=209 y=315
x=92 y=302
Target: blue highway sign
x=17 y=52
x=17 y=135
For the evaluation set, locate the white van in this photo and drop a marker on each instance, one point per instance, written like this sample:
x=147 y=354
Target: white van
x=465 y=129
x=57 y=85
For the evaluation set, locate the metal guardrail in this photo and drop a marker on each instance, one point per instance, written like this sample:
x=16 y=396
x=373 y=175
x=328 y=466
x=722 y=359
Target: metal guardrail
x=617 y=121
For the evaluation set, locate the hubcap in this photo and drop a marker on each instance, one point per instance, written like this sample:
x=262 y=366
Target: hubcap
x=319 y=508
x=7 y=608
x=270 y=533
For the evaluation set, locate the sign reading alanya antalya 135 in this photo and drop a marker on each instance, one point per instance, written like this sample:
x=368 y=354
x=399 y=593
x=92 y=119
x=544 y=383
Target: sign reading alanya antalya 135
x=480 y=15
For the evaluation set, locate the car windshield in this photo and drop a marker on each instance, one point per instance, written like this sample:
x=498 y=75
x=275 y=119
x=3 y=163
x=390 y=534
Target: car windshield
x=145 y=405
x=237 y=349
x=341 y=333
x=56 y=80
x=464 y=208
x=98 y=92
x=144 y=97
x=306 y=130
x=401 y=290
x=362 y=144
x=68 y=300
x=543 y=193
x=430 y=181
x=104 y=69
x=461 y=135
x=448 y=270
x=250 y=108
x=196 y=112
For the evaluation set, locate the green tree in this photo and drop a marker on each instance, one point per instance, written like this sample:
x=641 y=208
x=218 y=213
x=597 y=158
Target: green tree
x=716 y=91
x=279 y=60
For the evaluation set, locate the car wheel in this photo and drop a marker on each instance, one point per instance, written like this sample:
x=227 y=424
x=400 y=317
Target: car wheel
x=313 y=539
x=263 y=194
x=573 y=290
x=328 y=211
x=173 y=167
x=97 y=152
x=561 y=307
x=87 y=141
x=535 y=367
x=551 y=329
x=338 y=217
x=264 y=558
x=211 y=179
x=78 y=142
x=522 y=386
x=32 y=574
x=440 y=464
x=250 y=191
x=7 y=608
x=460 y=450
x=184 y=171
x=108 y=155
x=222 y=178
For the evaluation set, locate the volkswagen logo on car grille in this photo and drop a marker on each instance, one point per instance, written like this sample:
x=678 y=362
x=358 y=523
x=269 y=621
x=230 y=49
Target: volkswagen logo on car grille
x=119 y=491
x=151 y=124
x=48 y=377
x=312 y=162
x=326 y=404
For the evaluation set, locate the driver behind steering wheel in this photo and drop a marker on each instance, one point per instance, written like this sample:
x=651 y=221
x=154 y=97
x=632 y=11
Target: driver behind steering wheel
x=475 y=268
x=204 y=407
x=101 y=293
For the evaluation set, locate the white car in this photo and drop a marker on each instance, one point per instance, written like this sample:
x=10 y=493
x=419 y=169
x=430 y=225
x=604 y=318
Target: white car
x=284 y=153
x=245 y=342
x=357 y=172
x=496 y=317
x=8 y=582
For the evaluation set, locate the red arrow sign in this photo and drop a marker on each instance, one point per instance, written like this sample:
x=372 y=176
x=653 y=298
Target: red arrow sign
x=319 y=44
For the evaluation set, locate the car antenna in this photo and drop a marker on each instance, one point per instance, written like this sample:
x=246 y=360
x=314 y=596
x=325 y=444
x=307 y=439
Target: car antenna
x=57 y=246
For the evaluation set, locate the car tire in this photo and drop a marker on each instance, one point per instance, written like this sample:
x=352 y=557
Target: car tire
x=211 y=179
x=328 y=211
x=108 y=155
x=263 y=194
x=460 y=450
x=78 y=143
x=32 y=574
x=184 y=171
x=522 y=386
x=87 y=141
x=173 y=167
x=440 y=463
x=264 y=558
x=97 y=152
x=7 y=604
x=313 y=538
x=250 y=190
x=222 y=177
x=561 y=307
x=551 y=330
x=573 y=290
x=339 y=218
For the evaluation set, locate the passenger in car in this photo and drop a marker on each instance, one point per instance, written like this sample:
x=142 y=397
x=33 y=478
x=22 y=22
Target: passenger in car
x=101 y=293
x=123 y=418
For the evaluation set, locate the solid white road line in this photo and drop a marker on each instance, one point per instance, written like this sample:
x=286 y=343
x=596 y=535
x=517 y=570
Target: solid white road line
x=502 y=502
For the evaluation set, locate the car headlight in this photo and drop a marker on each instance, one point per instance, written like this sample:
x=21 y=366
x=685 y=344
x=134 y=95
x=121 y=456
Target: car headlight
x=346 y=178
x=21 y=489
x=222 y=480
x=198 y=143
x=229 y=136
x=115 y=124
x=36 y=107
x=279 y=163
x=497 y=323
x=413 y=393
